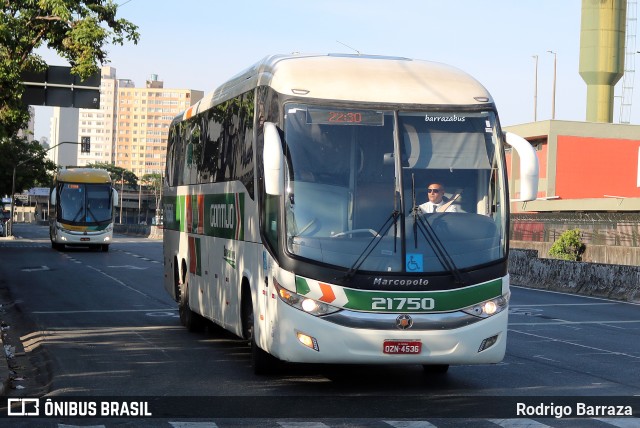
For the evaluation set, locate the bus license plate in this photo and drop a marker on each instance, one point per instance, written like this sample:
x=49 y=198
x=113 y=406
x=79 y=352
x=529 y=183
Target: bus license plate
x=85 y=239
x=402 y=347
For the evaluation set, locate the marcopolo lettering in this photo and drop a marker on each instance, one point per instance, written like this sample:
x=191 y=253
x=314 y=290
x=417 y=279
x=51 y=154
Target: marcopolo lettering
x=402 y=281
x=221 y=216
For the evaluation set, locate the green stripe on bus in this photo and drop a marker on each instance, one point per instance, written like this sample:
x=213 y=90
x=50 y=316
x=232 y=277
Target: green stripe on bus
x=224 y=215
x=301 y=286
x=180 y=213
x=218 y=215
x=442 y=301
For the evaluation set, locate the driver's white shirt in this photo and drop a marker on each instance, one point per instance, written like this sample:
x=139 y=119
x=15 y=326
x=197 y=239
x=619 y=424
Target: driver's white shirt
x=429 y=207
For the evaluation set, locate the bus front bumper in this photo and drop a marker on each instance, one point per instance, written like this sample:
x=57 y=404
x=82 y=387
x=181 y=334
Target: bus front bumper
x=68 y=237
x=480 y=342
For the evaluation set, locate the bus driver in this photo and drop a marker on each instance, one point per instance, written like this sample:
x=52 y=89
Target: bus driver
x=436 y=200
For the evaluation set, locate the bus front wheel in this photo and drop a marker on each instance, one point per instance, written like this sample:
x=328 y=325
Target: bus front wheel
x=261 y=361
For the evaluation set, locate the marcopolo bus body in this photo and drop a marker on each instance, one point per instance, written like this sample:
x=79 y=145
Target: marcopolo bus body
x=82 y=200
x=292 y=212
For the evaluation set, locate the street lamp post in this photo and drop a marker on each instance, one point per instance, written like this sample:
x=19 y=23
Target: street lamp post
x=535 y=92
x=121 y=194
x=555 y=67
x=13 y=183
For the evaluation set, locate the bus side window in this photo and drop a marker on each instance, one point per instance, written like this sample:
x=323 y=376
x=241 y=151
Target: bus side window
x=271 y=219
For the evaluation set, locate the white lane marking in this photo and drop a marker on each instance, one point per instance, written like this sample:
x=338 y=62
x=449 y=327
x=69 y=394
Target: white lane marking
x=118 y=281
x=620 y=422
x=605 y=351
x=518 y=423
x=127 y=267
x=560 y=322
x=410 y=424
x=563 y=304
x=38 y=269
x=193 y=424
x=302 y=425
x=98 y=311
x=78 y=426
x=619 y=302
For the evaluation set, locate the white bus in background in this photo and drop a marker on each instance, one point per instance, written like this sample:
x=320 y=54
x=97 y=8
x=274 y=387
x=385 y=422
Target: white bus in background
x=82 y=202
x=291 y=212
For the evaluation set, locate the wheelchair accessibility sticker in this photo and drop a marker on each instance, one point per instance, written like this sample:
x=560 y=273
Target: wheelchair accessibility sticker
x=414 y=262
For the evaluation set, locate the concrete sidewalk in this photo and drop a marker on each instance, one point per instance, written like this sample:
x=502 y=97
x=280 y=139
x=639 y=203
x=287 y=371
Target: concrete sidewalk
x=7 y=350
x=5 y=372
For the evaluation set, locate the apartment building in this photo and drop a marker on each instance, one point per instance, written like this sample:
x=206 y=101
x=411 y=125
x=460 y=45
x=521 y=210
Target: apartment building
x=130 y=129
x=143 y=116
x=98 y=125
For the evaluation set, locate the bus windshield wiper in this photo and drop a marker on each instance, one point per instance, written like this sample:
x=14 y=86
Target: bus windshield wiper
x=92 y=215
x=419 y=223
x=391 y=220
x=439 y=249
x=75 y=217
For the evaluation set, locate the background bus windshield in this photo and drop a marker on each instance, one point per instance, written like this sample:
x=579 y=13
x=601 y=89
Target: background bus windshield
x=85 y=203
x=345 y=205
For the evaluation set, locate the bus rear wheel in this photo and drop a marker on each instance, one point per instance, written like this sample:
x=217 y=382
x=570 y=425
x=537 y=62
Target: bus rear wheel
x=188 y=318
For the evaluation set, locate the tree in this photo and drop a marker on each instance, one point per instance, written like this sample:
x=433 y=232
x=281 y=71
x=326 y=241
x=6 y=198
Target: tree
x=155 y=182
x=35 y=171
x=568 y=246
x=78 y=30
x=117 y=173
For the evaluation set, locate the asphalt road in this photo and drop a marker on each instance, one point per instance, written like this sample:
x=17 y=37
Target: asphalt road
x=97 y=325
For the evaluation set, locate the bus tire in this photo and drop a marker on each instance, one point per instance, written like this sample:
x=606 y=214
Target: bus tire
x=188 y=318
x=105 y=248
x=435 y=368
x=262 y=362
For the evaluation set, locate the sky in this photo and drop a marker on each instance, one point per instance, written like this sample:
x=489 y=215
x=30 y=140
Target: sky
x=198 y=44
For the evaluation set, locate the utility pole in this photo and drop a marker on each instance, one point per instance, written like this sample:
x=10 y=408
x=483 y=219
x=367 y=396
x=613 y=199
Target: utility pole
x=535 y=91
x=553 y=98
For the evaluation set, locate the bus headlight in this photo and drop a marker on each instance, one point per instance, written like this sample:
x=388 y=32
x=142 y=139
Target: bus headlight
x=489 y=307
x=310 y=306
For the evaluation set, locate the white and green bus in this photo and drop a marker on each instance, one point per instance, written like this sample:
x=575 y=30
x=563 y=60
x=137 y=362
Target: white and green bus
x=292 y=219
x=82 y=202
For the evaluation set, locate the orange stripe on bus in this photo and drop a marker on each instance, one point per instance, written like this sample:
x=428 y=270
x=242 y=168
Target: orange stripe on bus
x=327 y=293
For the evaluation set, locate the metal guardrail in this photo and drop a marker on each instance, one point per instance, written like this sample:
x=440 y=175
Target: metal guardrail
x=611 y=229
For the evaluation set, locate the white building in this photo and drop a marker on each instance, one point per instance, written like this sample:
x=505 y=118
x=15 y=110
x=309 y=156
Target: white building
x=64 y=127
x=98 y=125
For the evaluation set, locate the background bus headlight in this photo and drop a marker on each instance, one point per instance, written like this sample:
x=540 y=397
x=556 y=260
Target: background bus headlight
x=310 y=306
x=489 y=307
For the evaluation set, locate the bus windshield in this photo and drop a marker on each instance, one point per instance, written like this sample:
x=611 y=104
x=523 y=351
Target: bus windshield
x=357 y=188
x=85 y=203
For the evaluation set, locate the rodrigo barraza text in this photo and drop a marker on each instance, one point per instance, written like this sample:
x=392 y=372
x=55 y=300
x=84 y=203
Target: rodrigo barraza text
x=576 y=410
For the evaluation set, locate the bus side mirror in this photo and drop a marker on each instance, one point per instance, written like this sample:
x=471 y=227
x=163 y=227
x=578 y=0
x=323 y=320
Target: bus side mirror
x=528 y=166
x=114 y=195
x=53 y=198
x=273 y=160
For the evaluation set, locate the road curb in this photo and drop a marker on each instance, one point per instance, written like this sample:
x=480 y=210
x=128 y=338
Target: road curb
x=5 y=371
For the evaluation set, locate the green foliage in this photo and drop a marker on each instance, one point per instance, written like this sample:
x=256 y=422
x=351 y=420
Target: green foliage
x=29 y=160
x=117 y=173
x=568 y=246
x=78 y=30
x=153 y=181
